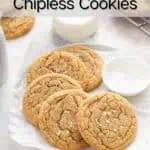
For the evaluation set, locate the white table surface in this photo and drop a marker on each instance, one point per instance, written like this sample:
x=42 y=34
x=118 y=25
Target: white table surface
x=113 y=32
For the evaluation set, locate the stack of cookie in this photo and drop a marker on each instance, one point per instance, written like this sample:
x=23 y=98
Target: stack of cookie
x=56 y=102
x=79 y=62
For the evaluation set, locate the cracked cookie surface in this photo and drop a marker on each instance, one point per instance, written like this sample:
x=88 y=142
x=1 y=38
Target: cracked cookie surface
x=15 y=27
x=92 y=61
x=107 y=122
x=57 y=119
x=59 y=62
x=40 y=89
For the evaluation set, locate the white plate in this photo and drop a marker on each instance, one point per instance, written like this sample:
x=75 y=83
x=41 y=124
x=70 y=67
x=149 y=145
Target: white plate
x=27 y=135
x=127 y=76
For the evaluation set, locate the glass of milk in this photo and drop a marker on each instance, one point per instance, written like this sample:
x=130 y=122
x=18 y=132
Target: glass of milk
x=75 y=29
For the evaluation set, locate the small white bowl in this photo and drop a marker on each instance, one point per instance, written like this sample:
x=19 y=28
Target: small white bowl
x=127 y=76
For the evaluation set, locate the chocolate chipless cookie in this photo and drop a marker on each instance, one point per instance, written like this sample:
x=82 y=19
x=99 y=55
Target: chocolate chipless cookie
x=40 y=89
x=57 y=120
x=92 y=61
x=15 y=27
x=107 y=122
x=60 y=62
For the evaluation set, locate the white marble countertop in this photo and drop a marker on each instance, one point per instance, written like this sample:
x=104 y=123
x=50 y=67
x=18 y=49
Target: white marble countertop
x=112 y=32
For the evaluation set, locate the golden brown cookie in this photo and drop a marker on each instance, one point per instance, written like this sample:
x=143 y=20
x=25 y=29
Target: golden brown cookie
x=57 y=119
x=40 y=89
x=92 y=61
x=16 y=26
x=60 y=62
x=107 y=122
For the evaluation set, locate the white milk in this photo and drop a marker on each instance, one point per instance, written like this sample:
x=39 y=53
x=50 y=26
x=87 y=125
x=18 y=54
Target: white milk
x=76 y=29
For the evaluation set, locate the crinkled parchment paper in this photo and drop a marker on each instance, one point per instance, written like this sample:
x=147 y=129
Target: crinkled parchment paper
x=27 y=135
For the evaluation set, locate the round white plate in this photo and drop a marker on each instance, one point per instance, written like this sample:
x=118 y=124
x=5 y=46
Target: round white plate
x=127 y=76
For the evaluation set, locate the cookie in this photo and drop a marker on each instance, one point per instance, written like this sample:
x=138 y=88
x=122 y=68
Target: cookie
x=92 y=61
x=57 y=119
x=60 y=62
x=40 y=89
x=15 y=27
x=107 y=122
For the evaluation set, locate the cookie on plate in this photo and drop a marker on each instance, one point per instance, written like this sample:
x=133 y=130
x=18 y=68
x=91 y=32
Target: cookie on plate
x=57 y=120
x=40 y=89
x=59 y=62
x=107 y=122
x=15 y=27
x=92 y=61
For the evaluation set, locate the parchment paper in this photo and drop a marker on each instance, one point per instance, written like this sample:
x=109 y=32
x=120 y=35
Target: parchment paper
x=27 y=135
